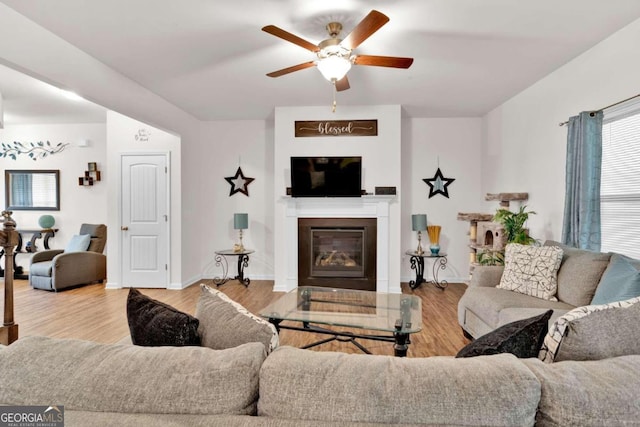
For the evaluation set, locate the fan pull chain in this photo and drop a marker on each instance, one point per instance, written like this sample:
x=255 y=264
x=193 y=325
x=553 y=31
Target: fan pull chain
x=335 y=104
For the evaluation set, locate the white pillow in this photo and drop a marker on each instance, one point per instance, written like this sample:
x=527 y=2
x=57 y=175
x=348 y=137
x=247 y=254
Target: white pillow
x=531 y=270
x=78 y=243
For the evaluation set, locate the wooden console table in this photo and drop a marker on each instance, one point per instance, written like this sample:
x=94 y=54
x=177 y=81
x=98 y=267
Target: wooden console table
x=36 y=234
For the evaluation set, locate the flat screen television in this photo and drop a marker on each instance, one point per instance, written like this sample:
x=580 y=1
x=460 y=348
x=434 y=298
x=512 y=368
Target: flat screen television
x=326 y=176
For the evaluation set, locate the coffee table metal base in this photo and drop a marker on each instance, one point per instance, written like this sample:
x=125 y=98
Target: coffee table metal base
x=401 y=340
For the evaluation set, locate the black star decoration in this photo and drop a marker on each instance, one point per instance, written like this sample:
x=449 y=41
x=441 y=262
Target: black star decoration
x=438 y=184
x=239 y=183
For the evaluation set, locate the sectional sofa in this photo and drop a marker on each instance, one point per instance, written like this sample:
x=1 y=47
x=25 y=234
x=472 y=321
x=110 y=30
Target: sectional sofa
x=125 y=385
x=485 y=307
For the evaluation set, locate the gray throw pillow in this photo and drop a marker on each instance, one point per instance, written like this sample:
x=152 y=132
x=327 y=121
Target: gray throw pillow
x=522 y=338
x=154 y=323
x=594 y=332
x=224 y=323
x=579 y=274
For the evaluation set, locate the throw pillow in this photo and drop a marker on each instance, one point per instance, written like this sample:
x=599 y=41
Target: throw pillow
x=154 y=323
x=579 y=274
x=224 y=323
x=523 y=338
x=531 y=270
x=78 y=243
x=620 y=281
x=594 y=332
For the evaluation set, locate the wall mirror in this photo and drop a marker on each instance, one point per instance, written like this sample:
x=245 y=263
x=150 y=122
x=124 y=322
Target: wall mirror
x=32 y=190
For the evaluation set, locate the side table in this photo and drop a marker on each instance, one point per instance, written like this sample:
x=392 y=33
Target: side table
x=243 y=261
x=417 y=264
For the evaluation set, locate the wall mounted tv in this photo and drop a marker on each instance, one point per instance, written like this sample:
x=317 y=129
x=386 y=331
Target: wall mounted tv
x=326 y=176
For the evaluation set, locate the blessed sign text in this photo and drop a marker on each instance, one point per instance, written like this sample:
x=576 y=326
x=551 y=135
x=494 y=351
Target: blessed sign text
x=336 y=128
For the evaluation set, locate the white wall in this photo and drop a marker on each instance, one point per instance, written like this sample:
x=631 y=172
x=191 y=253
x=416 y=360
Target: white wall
x=30 y=51
x=125 y=135
x=78 y=204
x=524 y=148
x=456 y=144
x=381 y=164
x=223 y=147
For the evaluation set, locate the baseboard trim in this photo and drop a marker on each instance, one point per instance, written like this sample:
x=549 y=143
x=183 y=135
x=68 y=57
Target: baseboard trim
x=112 y=285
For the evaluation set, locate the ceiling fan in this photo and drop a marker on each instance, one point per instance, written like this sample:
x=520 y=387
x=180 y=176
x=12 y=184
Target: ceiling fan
x=335 y=55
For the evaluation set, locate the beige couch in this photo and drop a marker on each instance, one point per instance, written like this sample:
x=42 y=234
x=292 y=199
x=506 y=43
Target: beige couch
x=483 y=307
x=125 y=385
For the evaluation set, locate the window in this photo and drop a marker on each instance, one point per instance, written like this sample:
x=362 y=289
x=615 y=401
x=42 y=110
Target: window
x=620 y=186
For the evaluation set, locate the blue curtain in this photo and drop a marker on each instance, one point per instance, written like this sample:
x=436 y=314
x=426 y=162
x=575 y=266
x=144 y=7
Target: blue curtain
x=581 y=224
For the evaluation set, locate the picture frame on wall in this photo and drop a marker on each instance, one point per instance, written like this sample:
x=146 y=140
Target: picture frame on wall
x=92 y=166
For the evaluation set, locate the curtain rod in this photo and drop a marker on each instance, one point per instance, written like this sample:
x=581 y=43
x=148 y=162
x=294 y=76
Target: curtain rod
x=608 y=106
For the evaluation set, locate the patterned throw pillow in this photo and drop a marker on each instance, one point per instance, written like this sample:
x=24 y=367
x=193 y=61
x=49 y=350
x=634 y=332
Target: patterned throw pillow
x=224 y=323
x=594 y=332
x=531 y=270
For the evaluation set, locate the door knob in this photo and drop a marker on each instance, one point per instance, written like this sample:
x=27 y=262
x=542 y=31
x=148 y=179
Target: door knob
x=124 y=228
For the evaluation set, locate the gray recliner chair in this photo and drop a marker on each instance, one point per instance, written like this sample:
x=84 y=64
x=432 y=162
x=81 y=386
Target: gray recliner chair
x=54 y=269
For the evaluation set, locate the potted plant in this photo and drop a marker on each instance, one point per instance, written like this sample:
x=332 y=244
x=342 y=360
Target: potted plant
x=514 y=232
x=513 y=223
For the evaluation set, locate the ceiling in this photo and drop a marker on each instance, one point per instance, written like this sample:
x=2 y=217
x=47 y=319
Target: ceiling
x=210 y=57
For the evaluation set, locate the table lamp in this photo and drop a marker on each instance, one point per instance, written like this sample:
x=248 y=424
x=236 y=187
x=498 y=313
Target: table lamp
x=419 y=223
x=240 y=222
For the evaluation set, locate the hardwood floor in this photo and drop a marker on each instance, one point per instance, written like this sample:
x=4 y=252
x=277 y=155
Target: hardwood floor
x=96 y=314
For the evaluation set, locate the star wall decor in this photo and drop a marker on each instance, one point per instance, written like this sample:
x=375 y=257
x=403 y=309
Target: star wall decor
x=438 y=184
x=239 y=183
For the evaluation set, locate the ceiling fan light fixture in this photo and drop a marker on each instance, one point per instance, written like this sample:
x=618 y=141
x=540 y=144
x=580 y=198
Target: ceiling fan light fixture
x=334 y=67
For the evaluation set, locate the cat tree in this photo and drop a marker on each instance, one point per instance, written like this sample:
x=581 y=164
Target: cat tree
x=484 y=234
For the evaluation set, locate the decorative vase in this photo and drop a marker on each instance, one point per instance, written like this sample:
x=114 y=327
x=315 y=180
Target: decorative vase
x=434 y=238
x=46 y=221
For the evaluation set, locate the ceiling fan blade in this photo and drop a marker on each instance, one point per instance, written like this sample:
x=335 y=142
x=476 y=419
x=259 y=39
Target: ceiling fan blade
x=383 y=61
x=291 y=69
x=285 y=35
x=342 y=84
x=369 y=25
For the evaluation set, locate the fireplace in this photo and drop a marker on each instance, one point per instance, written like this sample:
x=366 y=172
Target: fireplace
x=377 y=208
x=337 y=252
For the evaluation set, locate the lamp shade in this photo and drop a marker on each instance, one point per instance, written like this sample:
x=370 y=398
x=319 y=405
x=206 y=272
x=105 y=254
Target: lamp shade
x=419 y=222
x=334 y=67
x=240 y=221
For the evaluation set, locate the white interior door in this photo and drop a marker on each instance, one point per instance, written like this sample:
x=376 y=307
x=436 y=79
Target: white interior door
x=144 y=221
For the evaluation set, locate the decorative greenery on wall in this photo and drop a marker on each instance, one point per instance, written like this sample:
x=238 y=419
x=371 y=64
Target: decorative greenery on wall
x=35 y=150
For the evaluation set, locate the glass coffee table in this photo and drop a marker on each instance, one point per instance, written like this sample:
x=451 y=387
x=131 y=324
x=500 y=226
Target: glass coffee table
x=395 y=316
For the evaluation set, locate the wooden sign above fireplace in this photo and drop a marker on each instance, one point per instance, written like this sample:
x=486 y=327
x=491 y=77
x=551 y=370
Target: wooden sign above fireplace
x=336 y=128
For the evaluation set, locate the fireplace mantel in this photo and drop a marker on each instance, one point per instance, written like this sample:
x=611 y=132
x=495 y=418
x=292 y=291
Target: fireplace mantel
x=338 y=207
